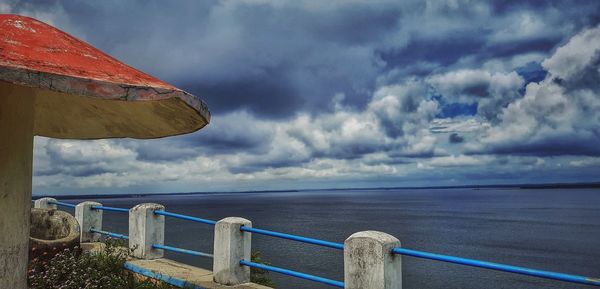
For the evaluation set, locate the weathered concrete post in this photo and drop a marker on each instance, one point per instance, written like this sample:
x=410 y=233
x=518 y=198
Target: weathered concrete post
x=44 y=203
x=88 y=218
x=370 y=263
x=16 y=146
x=231 y=246
x=146 y=229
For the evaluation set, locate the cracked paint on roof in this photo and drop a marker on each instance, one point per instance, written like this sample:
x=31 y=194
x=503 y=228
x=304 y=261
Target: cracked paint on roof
x=26 y=43
x=36 y=55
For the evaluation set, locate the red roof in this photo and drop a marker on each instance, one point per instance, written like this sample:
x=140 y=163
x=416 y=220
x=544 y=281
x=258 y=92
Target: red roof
x=37 y=55
x=26 y=43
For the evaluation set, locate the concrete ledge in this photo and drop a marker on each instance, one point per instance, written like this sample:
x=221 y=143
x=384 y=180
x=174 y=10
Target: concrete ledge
x=181 y=275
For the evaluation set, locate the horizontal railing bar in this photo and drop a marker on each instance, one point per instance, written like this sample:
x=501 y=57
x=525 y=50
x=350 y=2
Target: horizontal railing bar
x=402 y=251
x=121 y=210
x=62 y=204
x=180 y=250
x=111 y=234
x=313 y=241
x=185 y=217
x=293 y=273
x=180 y=283
x=499 y=267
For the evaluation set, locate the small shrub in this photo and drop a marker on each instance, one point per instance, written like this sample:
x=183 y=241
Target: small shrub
x=112 y=242
x=260 y=276
x=70 y=269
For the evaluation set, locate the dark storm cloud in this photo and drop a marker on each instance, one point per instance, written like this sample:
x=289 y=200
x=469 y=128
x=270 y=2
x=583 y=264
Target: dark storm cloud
x=563 y=145
x=566 y=7
x=586 y=79
x=216 y=143
x=226 y=134
x=273 y=60
x=266 y=93
x=168 y=150
x=455 y=138
x=74 y=171
x=442 y=51
x=542 y=44
x=276 y=59
x=261 y=165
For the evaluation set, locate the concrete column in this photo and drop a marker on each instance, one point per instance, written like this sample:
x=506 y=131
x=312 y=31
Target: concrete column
x=146 y=229
x=44 y=203
x=88 y=218
x=16 y=154
x=231 y=246
x=370 y=263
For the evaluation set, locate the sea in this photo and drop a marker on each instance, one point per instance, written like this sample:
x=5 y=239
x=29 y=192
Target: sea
x=548 y=229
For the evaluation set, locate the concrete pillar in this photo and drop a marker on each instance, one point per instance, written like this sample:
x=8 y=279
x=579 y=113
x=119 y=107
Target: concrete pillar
x=370 y=263
x=231 y=246
x=44 y=203
x=146 y=229
x=88 y=218
x=16 y=153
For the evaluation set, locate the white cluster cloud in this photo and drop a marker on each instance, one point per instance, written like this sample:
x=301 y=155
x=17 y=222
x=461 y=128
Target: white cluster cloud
x=396 y=120
x=578 y=56
x=394 y=125
x=558 y=115
x=80 y=165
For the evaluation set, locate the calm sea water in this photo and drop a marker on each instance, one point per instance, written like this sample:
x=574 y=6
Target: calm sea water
x=550 y=229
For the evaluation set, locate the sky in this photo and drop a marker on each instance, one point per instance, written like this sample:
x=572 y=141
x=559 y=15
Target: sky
x=340 y=94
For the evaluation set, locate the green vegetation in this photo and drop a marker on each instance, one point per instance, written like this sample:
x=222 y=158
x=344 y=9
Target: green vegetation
x=260 y=276
x=71 y=269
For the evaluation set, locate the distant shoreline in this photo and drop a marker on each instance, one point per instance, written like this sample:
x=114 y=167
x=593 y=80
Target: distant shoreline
x=507 y=186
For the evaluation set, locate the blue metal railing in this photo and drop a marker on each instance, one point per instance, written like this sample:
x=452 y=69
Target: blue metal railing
x=183 y=251
x=158 y=276
x=111 y=234
x=293 y=273
x=499 y=267
x=185 y=217
x=62 y=204
x=340 y=246
x=262 y=232
x=313 y=241
x=113 y=209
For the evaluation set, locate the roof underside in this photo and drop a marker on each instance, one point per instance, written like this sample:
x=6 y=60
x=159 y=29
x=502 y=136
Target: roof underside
x=69 y=75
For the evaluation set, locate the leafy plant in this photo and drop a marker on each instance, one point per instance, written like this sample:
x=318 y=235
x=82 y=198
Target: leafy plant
x=71 y=269
x=260 y=276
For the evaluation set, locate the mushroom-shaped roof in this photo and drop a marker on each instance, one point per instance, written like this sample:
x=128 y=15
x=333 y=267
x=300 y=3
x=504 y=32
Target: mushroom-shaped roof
x=83 y=93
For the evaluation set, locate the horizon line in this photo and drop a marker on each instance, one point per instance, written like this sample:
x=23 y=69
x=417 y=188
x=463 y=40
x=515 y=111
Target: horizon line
x=581 y=185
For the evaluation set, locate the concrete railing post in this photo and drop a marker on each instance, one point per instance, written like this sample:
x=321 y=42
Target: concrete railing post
x=88 y=219
x=231 y=246
x=44 y=203
x=370 y=263
x=145 y=230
